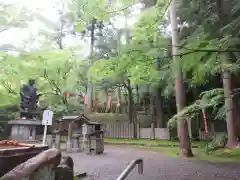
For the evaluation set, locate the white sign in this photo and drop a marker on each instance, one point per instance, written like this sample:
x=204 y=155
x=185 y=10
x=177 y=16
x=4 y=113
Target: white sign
x=46 y=121
x=47 y=117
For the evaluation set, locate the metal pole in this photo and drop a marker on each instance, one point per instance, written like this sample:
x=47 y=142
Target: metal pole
x=44 y=134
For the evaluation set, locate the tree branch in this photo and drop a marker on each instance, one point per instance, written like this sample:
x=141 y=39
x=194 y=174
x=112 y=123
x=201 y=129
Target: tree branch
x=53 y=84
x=9 y=88
x=122 y=9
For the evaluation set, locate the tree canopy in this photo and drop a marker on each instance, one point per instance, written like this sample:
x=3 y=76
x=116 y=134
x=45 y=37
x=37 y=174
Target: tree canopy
x=125 y=48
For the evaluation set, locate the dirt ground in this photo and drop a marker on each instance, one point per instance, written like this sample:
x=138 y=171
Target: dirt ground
x=109 y=166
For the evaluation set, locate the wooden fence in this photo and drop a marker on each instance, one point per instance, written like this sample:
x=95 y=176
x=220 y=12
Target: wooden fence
x=125 y=130
x=118 y=130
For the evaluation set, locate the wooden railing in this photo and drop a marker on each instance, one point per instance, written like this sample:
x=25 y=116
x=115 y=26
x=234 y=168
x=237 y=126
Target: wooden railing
x=41 y=166
x=130 y=167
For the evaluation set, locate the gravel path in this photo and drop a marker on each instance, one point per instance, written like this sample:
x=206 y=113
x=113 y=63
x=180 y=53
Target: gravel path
x=109 y=166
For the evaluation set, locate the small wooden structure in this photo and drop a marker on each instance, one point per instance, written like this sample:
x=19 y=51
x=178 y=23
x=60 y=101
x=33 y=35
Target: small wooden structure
x=76 y=121
x=72 y=127
x=93 y=137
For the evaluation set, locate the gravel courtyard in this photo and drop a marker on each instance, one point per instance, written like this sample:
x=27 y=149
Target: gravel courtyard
x=109 y=166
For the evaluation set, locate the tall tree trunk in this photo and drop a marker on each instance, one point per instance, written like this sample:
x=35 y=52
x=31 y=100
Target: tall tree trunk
x=126 y=100
x=159 y=109
x=130 y=101
x=106 y=100
x=137 y=92
x=94 y=99
x=135 y=121
x=118 y=105
x=185 y=143
x=153 y=108
x=232 y=137
x=90 y=86
x=226 y=75
x=132 y=116
x=109 y=102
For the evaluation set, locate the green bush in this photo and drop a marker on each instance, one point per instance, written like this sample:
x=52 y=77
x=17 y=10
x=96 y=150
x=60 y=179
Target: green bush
x=218 y=141
x=173 y=133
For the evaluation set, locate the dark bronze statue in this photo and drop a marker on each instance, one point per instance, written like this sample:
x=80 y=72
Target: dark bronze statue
x=29 y=100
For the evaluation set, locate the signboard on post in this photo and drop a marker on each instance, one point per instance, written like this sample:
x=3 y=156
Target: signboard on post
x=46 y=121
x=47 y=117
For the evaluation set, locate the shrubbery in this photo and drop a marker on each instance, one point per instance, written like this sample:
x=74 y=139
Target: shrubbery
x=218 y=141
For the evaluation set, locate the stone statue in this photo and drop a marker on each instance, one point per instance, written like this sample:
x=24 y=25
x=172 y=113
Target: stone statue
x=29 y=100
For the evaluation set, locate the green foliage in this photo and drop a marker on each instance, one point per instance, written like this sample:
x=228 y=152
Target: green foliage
x=137 y=60
x=56 y=72
x=85 y=10
x=115 y=62
x=219 y=141
x=209 y=99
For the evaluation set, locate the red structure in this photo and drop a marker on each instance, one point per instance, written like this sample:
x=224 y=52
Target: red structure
x=67 y=94
x=205 y=122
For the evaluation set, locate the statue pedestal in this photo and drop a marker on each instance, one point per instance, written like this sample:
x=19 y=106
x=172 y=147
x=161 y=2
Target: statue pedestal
x=24 y=130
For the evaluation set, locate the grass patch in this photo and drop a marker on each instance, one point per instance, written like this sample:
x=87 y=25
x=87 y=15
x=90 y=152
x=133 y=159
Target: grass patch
x=171 y=148
x=149 y=142
x=221 y=155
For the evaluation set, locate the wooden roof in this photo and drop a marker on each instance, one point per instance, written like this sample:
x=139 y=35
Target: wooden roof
x=78 y=118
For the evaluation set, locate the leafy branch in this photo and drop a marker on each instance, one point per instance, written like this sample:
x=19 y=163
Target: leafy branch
x=8 y=87
x=52 y=83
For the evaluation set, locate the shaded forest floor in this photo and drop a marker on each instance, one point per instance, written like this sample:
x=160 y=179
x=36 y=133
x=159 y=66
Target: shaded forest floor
x=171 y=148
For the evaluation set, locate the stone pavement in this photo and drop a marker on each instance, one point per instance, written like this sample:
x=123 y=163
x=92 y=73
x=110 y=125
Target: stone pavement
x=109 y=166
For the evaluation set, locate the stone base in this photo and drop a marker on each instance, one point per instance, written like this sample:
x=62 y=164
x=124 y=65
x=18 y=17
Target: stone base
x=23 y=130
x=69 y=147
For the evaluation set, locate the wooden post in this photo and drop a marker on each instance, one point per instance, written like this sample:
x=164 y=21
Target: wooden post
x=138 y=131
x=49 y=141
x=89 y=144
x=212 y=130
x=69 y=140
x=75 y=142
x=152 y=131
x=57 y=140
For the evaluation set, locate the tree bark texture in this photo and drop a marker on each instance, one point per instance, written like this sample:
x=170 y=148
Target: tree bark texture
x=226 y=76
x=185 y=143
